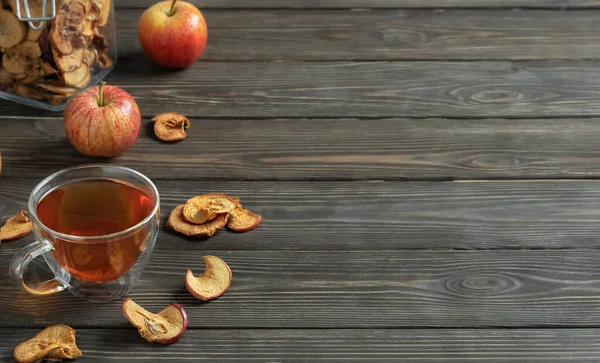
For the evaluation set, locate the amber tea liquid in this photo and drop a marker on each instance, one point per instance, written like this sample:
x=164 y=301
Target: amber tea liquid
x=96 y=208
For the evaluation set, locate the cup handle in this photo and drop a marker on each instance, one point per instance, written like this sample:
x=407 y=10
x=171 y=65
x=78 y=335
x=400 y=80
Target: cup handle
x=19 y=264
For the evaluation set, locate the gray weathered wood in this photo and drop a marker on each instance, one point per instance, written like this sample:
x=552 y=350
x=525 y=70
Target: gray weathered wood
x=318 y=149
x=388 y=34
x=351 y=289
x=360 y=89
x=384 y=216
x=311 y=4
x=317 y=345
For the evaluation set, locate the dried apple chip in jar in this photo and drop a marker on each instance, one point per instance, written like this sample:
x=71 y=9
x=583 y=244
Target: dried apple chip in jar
x=171 y=126
x=28 y=91
x=70 y=22
x=16 y=227
x=48 y=69
x=33 y=35
x=69 y=62
x=99 y=42
x=56 y=342
x=12 y=30
x=104 y=60
x=59 y=90
x=23 y=59
x=90 y=57
x=79 y=78
x=6 y=79
x=101 y=10
x=56 y=99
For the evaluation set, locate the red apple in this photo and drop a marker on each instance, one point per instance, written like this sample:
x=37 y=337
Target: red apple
x=102 y=121
x=173 y=33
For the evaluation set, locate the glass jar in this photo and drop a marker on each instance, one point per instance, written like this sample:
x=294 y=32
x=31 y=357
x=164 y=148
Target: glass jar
x=52 y=49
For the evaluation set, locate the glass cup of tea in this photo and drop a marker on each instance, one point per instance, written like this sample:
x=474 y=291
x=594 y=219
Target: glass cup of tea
x=95 y=226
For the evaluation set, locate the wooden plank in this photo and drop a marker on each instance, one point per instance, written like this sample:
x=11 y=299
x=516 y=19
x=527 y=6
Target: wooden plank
x=316 y=345
x=345 y=4
x=320 y=149
x=359 y=89
x=388 y=35
x=351 y=289
x=384 y=216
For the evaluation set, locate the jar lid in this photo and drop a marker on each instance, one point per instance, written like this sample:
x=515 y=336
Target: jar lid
x=28 y=18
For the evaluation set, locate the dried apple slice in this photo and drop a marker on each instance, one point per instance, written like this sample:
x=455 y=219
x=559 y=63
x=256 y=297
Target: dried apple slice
x=23 y=59
x=171 y=126
x=79 y=78
x=16 y=227
x=99 y=42
x=56 y=342
x=203 y=208
x=70 y=62
x=56 y=99
x=29 y=92
x=242 y=220
x=90 y=57
x=12 y=65
x=70 y=21
x=6 y=79
x=178 y=224
x=48 y=69
x=30 y=78
x=33 y=35
x=59 y=90
x=165 y=327
x=12 y=30
x=101 y=8
x=104 y=60
x=213 y=283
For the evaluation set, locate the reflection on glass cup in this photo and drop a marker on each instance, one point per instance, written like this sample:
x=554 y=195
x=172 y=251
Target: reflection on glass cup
x=95 y=226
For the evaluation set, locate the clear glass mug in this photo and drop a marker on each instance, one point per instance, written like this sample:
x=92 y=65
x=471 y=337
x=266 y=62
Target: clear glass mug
x=99 y=267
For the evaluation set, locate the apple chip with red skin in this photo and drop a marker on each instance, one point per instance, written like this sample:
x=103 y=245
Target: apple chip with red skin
x=16 y=227
x=176 y=222
x=242 y=220
x=213 y=283
x=206 y=207
x=166 y=327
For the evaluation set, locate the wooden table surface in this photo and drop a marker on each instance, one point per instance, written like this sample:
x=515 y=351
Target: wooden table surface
x=427 y=171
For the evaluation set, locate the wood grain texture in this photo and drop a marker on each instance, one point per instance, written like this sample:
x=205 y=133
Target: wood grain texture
x=388 y=35
x=364 y=345
x=350 y=289
x=359 y=89
x=320 y=149
x=364 y=4
x=384 y=216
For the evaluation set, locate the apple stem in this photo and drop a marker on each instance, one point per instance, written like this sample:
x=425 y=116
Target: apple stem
x=172 y=11
x=101 y=94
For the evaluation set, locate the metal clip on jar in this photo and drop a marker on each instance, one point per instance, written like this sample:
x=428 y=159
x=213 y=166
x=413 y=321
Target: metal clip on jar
x=52 y=49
